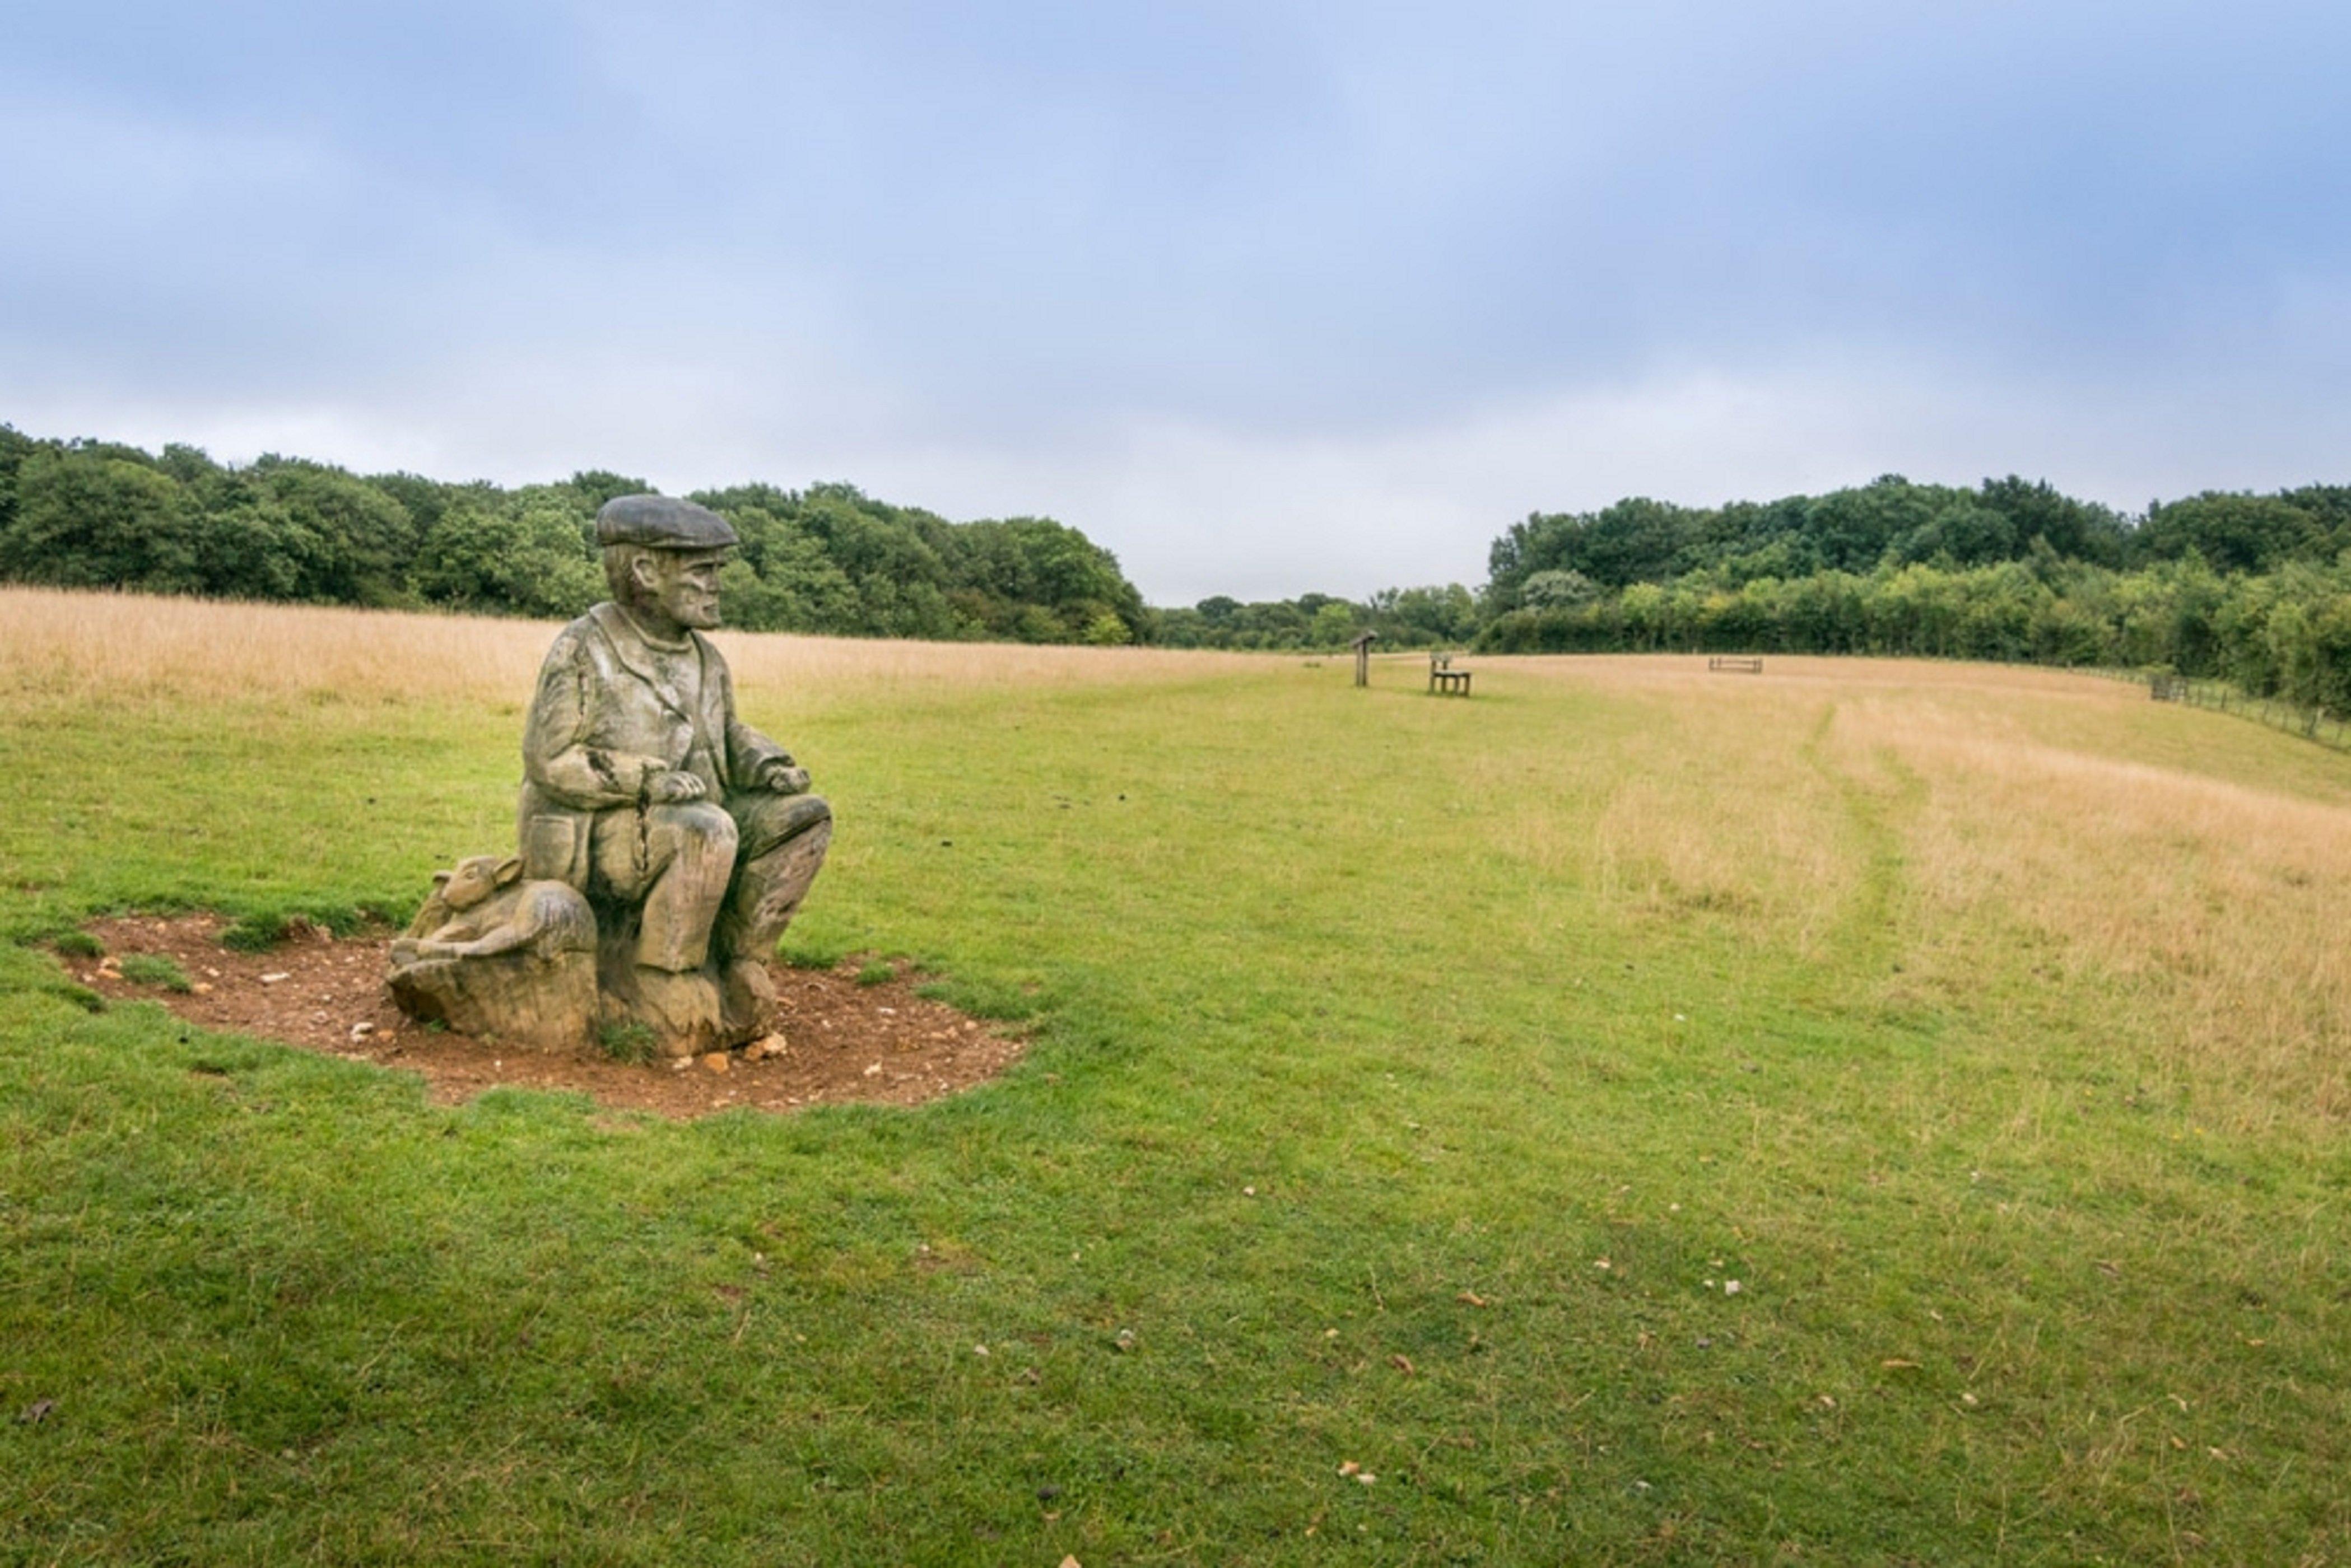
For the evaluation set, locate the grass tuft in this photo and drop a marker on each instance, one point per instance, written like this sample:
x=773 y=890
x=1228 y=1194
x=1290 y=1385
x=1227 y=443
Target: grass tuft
x=256 y=933
x=155 y=969
x=80 y=996
x=628 y=1041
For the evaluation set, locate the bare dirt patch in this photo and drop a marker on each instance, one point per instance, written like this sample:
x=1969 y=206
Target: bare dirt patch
x=835 y=1041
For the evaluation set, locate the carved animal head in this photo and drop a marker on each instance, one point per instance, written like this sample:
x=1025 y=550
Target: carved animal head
x=475 y=877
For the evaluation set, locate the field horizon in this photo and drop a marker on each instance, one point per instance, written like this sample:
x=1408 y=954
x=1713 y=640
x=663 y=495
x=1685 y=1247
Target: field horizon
x=1873 y=1111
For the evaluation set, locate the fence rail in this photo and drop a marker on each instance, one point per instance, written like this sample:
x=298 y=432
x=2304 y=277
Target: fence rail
x=2310 y=724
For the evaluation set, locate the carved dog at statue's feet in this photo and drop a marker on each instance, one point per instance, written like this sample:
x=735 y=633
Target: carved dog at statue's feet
x=496 y=957
x=482 y=908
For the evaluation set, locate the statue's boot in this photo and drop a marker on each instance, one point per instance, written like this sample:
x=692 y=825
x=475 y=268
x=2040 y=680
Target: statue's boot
x=767 y=891
x=747 y=999
x=684 y=1011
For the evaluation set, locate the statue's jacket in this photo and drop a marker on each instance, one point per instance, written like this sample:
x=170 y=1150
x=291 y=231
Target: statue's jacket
x=604 y=725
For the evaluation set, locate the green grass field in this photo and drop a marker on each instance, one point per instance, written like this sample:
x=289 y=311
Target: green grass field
x=1412 y=1081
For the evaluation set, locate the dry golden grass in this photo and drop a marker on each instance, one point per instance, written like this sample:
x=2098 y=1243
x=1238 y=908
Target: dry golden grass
x=1711 y=803
x=2218 y=907
x=76 y=644
x=1999 y=826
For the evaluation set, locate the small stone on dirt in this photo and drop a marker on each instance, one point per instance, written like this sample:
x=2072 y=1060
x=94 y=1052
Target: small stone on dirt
x=713 y=1061
x=273 y=979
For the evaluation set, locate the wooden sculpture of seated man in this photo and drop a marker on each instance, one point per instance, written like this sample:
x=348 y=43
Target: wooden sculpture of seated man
x=693 y=836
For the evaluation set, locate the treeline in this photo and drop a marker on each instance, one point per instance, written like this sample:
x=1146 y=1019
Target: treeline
x=85 y=514
x=1410 y=617
x=2252 y=589
x=1895 y=522
x=2283 y=634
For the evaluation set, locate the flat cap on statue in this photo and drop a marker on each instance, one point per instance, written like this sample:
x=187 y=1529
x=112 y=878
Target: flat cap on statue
x=662 y=522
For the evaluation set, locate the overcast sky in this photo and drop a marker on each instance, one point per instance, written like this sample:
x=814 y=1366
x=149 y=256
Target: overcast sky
x=1264 y=296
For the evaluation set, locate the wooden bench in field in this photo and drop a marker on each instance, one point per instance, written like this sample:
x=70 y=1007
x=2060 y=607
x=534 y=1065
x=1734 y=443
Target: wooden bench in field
x=1445 y=680
x=1737 y=666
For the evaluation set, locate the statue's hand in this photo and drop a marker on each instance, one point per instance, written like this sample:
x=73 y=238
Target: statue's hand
x=781 y=776
x=676 y=788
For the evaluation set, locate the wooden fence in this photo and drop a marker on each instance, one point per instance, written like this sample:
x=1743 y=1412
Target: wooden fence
x=2311 y=724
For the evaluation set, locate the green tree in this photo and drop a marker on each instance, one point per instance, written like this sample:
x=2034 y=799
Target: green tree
x=93 y=518
x=527 y=560
x=1331 y=625
x=2233 y=532
x=1553 y=588
x=353 y=543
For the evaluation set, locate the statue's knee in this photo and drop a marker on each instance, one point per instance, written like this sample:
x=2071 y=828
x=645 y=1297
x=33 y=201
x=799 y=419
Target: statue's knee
x=698 y=826
x=769 y=820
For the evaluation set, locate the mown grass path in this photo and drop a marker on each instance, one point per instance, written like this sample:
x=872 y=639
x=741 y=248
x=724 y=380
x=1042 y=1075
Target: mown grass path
x=1413 y=1080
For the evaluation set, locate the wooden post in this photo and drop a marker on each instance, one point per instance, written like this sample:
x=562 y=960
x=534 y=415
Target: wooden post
x=1363 y=645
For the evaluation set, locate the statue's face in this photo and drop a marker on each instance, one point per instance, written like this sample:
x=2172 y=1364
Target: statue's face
x=684 y=585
